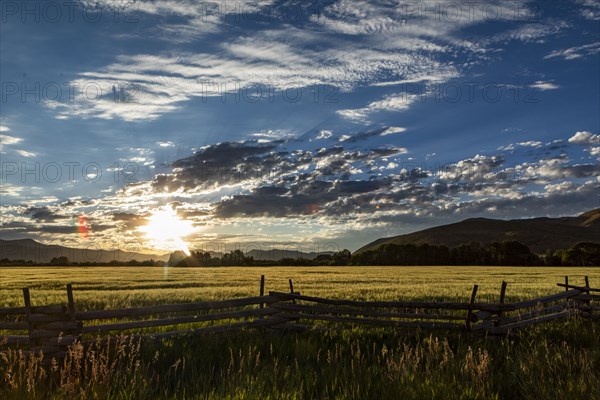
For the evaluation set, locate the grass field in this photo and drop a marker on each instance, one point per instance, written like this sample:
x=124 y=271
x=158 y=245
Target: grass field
x=559 y=360
x=114 y=287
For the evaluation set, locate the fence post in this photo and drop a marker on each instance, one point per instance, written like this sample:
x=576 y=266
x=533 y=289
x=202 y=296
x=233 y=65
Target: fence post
x=27 y=302
x=502 y=296
x=72 y=311
x=470 y=313
x=566 y=283
x=292 y=290
x=588 y=303
x=262 y=289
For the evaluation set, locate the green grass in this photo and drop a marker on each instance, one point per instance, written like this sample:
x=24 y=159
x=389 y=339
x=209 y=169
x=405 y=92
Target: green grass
x=559 y=360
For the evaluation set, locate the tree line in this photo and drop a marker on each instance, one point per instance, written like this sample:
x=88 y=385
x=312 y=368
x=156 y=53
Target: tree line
x=64 y=261
x=509 y=253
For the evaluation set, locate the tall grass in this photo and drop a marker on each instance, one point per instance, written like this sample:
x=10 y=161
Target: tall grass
x=557 y=361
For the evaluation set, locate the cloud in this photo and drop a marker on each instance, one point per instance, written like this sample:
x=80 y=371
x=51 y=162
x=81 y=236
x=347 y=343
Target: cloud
x=353 y=185
x=165 y=144
x=590 y=9
x=7 y=140
x=577 y=52
x=375 y=18
x=370 y=134
x=7 y=189
x=395 y=102
x=44 y=214
x=24 y=153
x=194 y=19
x=393 y=130
x=271 y=134
x=324 y=134
x=530 y=143
x=543 y=86
x=396 y=46
x=476 y=169
x=325 y=187
x=4 y=128
x=585 y=138
x=157 y=85
x=535 y=32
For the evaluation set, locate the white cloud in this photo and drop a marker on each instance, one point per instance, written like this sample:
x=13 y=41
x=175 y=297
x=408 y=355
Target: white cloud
x=585 y=138
x=562 y=187
x=476 y=169
x=536 y=32
x=590 y=9
x=8 y=140
x=162 y=83
x=324 y=134
x=7 y=189
x=273 y=134
x=165 y=144
x=24 y=153
x=530 y=143
x=395 y=102
x=410 y=19
x=197 y=17
x=392 y=130
x=396 y=46
x=574 y=53
x=4 y=128
x=543 y=86
x=595 y=151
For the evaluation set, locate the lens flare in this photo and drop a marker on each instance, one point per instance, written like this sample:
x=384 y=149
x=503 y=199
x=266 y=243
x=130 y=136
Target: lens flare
x=83 y=226
x=165 y=230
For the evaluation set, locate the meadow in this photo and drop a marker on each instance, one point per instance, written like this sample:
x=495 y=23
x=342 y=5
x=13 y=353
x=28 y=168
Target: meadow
x=115 y=287
x=556 y=360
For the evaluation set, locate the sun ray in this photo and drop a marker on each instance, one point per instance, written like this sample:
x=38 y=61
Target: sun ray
x=166 y=230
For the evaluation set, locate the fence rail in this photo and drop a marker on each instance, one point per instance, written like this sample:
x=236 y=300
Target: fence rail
x=53 y=328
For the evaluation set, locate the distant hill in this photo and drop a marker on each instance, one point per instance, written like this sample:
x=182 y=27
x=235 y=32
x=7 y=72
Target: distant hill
x=539 y=234
x=278 y=254
x=28 y=249
x=269 y=255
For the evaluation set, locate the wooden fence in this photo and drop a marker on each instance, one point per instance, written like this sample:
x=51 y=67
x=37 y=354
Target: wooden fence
x=52 y=328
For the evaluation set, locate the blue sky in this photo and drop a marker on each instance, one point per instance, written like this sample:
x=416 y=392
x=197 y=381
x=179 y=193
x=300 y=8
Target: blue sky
x=306 y=124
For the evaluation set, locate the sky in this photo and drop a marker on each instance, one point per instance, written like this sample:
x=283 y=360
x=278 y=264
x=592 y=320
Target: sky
x=313 y=125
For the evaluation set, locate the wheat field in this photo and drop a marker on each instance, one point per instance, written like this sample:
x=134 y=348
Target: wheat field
x=115 y=287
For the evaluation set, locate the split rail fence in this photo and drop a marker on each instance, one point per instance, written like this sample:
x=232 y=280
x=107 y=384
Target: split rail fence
x=52 y=328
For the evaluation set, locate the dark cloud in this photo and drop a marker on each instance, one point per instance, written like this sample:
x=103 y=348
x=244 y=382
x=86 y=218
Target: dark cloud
x=261 y=204
x=269 y=163
x=365 y=135
x=579 y=171
x=44 y=214
x=224 y=153
x=222 y=164
x=129 y=220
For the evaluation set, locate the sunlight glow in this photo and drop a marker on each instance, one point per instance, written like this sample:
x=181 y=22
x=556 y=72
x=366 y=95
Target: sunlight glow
x=166 y=230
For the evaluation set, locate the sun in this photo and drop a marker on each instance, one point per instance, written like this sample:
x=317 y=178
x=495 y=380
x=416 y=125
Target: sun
x=165 y=230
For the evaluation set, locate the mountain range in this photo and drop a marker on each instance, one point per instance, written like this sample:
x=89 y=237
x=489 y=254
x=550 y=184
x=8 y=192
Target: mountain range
x=28 y=249
x=539 y=234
